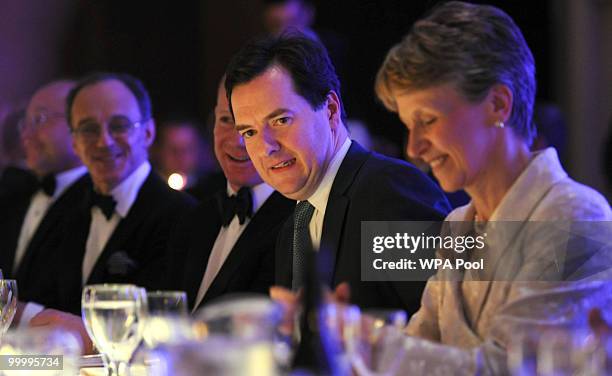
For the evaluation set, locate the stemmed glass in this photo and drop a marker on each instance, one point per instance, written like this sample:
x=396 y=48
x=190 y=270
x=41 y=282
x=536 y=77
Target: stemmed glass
x=374 y=340
x=167 y=303
x=8 y=303
x=167 y=318
x=114 y=317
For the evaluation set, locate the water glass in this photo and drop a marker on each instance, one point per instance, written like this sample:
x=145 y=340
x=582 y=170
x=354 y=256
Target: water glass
x=114 y=316
x=242 y=316
x=167 y=303
x=246 y=325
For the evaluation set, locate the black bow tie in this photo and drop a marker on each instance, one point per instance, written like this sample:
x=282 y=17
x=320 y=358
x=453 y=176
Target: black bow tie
x=105 y=203
x=47 y=184
x=240 y=204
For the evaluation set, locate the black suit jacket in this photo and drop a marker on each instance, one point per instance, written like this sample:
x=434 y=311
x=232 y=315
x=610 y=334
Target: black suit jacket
x=135 y=250
x=37 y=265
x=13 y=208
x=367 y=187
x=250 y=265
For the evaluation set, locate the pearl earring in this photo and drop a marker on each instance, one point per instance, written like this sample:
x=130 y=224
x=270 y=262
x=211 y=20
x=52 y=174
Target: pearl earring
x=499 y=124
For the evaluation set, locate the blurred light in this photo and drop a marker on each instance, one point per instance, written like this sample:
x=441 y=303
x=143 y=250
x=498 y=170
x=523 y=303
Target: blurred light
x=177 y=181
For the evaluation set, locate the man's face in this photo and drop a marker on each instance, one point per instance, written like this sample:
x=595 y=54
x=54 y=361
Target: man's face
x=289 y=142
x=110 y=158
x=229 y=148
x=180 y=149
x=45 y=133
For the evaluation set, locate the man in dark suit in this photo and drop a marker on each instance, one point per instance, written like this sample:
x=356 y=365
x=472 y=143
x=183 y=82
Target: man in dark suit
x=285 y=98
x=32 y=212
x=122 y=232
x=226 y=244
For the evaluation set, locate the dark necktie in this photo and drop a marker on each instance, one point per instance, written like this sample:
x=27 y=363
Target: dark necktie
x=302 y=242
x=240 y=205
x=105 y=203
x=47 y=184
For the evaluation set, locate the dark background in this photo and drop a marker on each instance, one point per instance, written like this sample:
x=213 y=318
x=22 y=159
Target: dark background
x=180 y=49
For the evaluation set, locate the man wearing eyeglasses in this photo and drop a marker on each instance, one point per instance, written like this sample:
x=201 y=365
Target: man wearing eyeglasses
x=32 y=215
x=121 y=233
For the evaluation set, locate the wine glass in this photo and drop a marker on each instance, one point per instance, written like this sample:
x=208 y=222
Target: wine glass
x=167 y=318
x=167 y=303
x=114 y=317
x=374 y=340
x=8 y=303
x=245 y=325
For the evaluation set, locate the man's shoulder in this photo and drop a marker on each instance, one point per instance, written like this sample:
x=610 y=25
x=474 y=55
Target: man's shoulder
x=383 y=164
x=392 y=184
x=381 y=172
x=373 y=164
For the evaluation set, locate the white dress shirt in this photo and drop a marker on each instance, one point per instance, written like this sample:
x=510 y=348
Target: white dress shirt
x=101 y=229
x=321 y=195
x=39 y=204
x=227 y=238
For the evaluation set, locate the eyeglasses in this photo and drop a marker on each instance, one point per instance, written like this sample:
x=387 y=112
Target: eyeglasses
x=38 y=120
x=119 y=128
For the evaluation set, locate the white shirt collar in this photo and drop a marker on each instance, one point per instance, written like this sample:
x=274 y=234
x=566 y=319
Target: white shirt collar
x=64 y=179
x=321 y=194
x=126 y=192
x=260 y=193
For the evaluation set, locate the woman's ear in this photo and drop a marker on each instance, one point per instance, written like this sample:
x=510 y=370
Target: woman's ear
x=500 y=100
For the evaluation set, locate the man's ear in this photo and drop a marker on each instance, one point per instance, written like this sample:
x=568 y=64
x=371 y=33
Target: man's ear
x=334 y=110
x=150 y=132
x=499 y=102
x=73 y=142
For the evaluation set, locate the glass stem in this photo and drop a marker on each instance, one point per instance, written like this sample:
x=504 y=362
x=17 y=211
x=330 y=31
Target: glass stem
x=118 y=368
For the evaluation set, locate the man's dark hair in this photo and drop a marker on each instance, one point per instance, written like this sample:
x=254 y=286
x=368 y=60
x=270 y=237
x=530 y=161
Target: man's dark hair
x=306 y=60
x=132 y=83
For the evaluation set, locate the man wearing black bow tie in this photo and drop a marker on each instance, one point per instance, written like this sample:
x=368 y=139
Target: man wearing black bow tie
x=226 y=244
x=31 y=215
x=121 y=232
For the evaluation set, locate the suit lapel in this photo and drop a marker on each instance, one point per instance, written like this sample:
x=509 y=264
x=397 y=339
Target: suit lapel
x=264 y=220
x=73 y=247
x=51 y=219
x=10 y=230
x=135 y=216
x=208 y=223
x=335 y=212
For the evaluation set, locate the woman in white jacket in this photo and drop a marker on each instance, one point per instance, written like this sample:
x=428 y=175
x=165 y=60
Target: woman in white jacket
x=463 y=83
